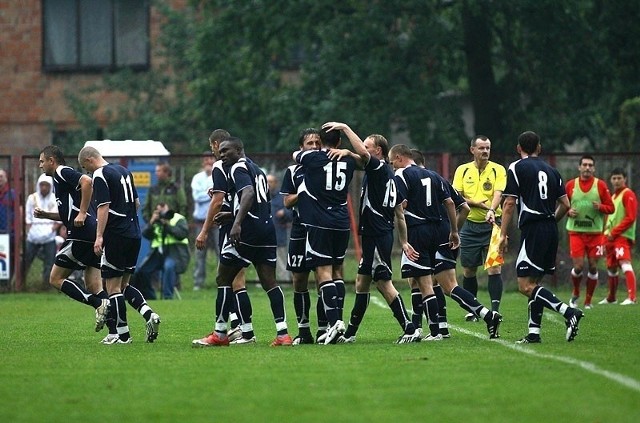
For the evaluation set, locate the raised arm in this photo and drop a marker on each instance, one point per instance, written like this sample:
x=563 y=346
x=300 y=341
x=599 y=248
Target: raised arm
x=354 y=139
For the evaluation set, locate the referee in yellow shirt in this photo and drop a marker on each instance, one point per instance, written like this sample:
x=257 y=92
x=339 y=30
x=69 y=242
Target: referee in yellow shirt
x=481 y=183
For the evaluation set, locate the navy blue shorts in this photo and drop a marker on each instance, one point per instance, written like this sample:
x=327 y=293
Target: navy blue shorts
x=244 y=254
x=538 y=249
x=295 y=256
x=119 y=256
x=223 y=235
x=426 y=240
x=325 y=247
x=376 y=257
x=77 y=255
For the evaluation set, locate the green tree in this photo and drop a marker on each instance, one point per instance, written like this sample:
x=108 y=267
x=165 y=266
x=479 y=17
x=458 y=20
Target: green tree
x=266 y=69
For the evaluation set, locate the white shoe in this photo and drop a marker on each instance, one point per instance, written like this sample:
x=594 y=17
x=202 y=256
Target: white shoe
x=349 y=340
x=573 y=302
x=430 y=337
x=234 y=334
x=101 y=314
x=152 y=327
x=334 y=331
x=321 y=338
x=243 y=341
x=409 y=338
x=112 y=339
x=628 y=301
x=588 y=306
x=606 y=301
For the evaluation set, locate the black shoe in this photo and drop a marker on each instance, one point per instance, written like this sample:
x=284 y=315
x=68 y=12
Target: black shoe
x=572 y=324
x=530 y=339
x=445 y=333
x=493 y=324
x=303 y=339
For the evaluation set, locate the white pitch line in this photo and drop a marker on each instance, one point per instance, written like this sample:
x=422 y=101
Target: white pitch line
x=590 y=367
x=377 y=301
x=623 y=380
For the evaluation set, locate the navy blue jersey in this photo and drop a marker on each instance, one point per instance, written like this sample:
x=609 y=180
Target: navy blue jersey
x=113 y=185
x=293 y=177
x=457 y=199
x=66 y=186
x=322 y=197
x=537 y=186
x=378 y=198
x=221 y=184
x=424 y=190
x=257 y=226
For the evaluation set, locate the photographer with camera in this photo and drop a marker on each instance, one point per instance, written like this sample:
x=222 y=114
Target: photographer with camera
x=168 y=232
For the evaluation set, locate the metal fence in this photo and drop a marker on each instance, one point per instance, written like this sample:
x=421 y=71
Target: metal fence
x=23 y=173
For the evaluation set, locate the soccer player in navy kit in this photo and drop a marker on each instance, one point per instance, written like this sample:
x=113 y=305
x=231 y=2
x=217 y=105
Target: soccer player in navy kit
x=541 y=199
x=220 y=201
x=421 y=193
x=76 y=211
x=445 y=270
x=377 y=212
x=117 y=242
x=251 y=240
x=322 y=204
x=309 y=139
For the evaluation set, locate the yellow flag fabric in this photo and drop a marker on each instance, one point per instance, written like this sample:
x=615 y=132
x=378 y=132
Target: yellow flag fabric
x=493 y=256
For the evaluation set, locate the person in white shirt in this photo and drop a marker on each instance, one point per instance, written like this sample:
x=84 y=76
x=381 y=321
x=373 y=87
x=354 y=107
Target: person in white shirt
x=41 y=233
x=201 y=183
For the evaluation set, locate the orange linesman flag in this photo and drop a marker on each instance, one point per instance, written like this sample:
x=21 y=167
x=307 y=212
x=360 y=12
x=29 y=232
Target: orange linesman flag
x=493 y=256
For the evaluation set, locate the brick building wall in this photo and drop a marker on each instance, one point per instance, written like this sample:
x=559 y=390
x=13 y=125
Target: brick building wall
x=32 y=102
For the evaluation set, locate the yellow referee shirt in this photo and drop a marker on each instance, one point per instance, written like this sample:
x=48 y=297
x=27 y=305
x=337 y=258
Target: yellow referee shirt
x=480 y=186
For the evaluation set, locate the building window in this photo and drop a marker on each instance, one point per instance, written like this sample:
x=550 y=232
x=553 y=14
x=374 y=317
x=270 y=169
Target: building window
x=95 y=35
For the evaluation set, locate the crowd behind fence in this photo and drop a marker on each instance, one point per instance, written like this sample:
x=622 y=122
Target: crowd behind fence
x=23 y=173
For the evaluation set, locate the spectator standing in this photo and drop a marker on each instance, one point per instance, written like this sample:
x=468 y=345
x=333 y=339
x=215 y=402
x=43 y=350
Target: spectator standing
x=620 y=231
x=7 y=202
x=166 y=190
x=201 y=184
x=590 y=203
x=41 y=233
x=282 y=218
x=481 y=183
x=169 y=235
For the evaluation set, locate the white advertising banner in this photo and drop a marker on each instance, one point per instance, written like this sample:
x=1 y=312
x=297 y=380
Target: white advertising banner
x=5 y=257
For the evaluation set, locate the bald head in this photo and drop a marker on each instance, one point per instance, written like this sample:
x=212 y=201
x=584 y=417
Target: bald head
x=90 y=159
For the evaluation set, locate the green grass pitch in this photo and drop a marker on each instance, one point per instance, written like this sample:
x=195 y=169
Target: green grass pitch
x=53 y=368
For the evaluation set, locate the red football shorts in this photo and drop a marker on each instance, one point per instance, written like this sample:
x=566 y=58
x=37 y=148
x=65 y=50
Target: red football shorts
x=618 y=250
x=591 y=245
